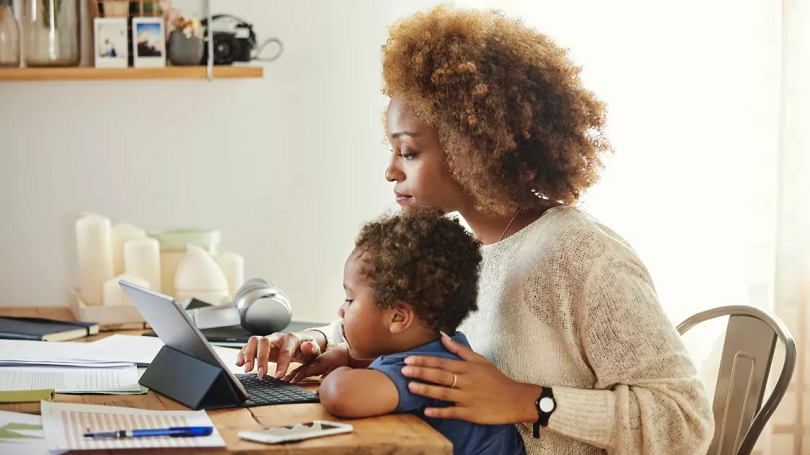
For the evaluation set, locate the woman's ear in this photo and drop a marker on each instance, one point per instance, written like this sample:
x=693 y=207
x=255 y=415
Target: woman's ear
x=401 y=317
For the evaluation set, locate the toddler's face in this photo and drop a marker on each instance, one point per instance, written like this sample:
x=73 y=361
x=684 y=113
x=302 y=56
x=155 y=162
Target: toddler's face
x=364 y=325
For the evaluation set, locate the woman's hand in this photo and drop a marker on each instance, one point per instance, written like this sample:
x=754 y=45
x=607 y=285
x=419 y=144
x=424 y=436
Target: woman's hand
x=322 y=365
x=281 y=348
x=481 y=393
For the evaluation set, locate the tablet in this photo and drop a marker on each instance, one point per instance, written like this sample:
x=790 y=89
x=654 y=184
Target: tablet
x=173 y=326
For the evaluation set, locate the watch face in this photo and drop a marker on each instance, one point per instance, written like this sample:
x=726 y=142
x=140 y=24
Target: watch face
x=546 y=404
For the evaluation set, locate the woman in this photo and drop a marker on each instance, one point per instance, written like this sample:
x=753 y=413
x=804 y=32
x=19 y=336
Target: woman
x=489 y=118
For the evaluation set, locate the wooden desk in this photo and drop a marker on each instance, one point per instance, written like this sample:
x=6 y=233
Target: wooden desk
x=390 y=435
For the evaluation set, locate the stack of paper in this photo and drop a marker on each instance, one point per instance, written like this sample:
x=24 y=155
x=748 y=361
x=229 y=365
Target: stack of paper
x=142 y=350
x=71 y=379
x=28 y=365
x=22 y=433
x=104 y=366
x=129 y=348
x=66 y=423
x=111 y=351
x=24 y=352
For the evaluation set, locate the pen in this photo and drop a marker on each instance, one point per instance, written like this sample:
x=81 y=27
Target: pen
x=175 y=432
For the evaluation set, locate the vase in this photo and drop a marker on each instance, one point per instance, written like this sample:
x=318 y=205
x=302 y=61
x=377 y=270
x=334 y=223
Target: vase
x=184 y=50
x=51 y=32
x=9 y=37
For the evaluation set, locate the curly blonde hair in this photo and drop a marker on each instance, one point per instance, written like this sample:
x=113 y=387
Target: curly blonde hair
x=425 y=259
x=517 y=126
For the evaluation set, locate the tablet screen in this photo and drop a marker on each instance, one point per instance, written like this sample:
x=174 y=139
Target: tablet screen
x=173 y=326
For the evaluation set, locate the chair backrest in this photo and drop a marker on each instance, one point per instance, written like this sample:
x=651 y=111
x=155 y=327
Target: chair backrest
x=747 y=354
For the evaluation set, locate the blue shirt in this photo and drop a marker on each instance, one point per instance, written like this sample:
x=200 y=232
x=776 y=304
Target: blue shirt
x=467 y=438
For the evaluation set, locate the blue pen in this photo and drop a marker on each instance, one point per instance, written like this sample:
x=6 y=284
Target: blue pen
x=174 y=432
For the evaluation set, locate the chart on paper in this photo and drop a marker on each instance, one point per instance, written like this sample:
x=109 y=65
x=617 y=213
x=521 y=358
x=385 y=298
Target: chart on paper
x=78 y=422
x=66 y=423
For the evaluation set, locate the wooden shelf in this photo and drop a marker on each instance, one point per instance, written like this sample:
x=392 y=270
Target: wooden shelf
x=99 y=74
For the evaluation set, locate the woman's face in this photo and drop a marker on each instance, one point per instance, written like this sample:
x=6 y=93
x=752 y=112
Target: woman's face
x=417 y=163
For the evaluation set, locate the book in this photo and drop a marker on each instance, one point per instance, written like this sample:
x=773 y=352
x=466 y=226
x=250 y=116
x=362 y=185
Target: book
x=25 y=401
x=92 y=327
x=44 y=329
x=22 y=396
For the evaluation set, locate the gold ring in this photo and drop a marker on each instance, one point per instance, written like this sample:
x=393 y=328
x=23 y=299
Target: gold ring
x=455 y=378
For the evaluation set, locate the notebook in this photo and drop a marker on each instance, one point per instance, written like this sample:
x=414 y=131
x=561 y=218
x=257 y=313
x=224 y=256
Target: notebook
x=44 y=329
x=26 y=401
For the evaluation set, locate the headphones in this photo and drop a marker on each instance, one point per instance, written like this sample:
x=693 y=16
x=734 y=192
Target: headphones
x=263 y=308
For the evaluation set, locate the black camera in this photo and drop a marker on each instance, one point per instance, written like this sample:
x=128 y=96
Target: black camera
x=230 y=46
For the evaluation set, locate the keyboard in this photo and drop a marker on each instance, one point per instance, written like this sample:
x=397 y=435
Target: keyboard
x=270 y=391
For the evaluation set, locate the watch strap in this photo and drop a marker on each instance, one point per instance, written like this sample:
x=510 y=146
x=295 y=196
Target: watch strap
x=542 y=416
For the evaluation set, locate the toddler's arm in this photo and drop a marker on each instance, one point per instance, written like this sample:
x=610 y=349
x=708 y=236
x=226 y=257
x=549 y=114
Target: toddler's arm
x=354 y=393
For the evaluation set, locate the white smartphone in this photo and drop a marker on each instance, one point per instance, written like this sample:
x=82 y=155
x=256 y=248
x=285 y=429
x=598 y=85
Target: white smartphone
x=297 y=432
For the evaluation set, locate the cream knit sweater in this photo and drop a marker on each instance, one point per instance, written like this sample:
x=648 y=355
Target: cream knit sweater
x=565 y=303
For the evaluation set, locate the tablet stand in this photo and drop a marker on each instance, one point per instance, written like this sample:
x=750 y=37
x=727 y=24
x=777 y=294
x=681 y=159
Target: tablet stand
x=190 y=381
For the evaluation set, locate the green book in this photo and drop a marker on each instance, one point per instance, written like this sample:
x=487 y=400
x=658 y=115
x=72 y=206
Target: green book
x=25 y=401
x=24 y=396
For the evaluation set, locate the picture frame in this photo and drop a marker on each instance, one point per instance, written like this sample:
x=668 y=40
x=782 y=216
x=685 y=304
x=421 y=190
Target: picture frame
x=148 y=42
x=110 y=49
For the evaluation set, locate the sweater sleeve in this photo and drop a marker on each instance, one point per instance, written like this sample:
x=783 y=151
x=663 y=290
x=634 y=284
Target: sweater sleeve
x=648 y=398
x=332 y=332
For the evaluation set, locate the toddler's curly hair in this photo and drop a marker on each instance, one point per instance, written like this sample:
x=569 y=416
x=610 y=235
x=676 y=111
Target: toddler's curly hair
x=425 y=259
x=517 y=126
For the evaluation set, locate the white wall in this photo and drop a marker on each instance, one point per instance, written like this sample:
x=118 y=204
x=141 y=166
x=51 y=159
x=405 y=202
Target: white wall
x=290 y=166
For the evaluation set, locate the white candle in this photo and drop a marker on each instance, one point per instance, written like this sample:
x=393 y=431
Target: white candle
x=142 y=259
x=233 y=266
x=121 y=233
x=114 y=295
x=94 y=248
x=198 y=275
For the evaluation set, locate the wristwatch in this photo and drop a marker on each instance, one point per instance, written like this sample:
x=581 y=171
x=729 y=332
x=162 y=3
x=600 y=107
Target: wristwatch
x=545 y=407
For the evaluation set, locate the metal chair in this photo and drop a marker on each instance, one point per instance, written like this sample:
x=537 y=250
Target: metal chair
x=747 y=354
